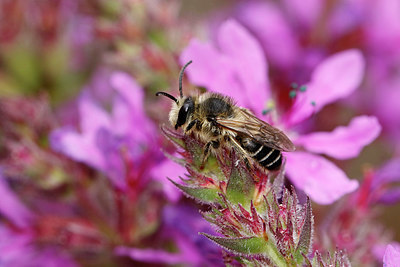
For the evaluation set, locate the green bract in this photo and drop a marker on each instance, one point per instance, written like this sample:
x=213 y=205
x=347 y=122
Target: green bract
x=260 y=222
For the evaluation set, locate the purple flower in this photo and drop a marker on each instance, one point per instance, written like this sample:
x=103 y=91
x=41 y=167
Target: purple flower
x=122 y=143
x=12 y=208
x=379 y=22
x=392 y=255
x=181 y=224
x=182 y=221
x=276 y=37
x=17 y=247
x=225 y=68
x=297 y=35
x=383 y=185
x=235 y=65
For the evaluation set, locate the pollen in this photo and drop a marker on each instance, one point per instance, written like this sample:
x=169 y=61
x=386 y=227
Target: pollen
x=303 y=88
x=266 y=111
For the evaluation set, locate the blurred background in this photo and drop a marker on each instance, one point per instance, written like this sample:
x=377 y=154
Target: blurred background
x=82 y=165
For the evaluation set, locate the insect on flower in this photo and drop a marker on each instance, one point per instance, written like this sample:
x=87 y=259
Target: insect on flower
x=217 y=121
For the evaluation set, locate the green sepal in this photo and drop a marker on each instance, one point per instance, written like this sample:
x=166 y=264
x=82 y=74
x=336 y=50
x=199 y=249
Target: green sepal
x=305 y=239
x=201 y=194
x=250 y=246
x=174 y=137
x=242 y=245
x=241 y=186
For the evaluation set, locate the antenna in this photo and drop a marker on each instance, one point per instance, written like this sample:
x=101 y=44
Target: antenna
x=167 y=95
x=181 y=76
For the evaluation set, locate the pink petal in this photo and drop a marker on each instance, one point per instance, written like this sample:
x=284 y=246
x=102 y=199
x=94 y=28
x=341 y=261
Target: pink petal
x=390 y=197
x=131 y=122
x=317 y=177
x=18 y=248
x=271 y=27
x=383 y=25
x=189 y=251
x=247 y=57
x=12 y=208
x=379 y=249
x=210 y=68
x=304 y=11
x=128 y=110
x=172 y=170
x=388 y=173
x=345 y=141
x=109 y=147
x=335 y=78
x=392 y=256
x=92 y=116
x=127 y=87
x=385 y=102
x=80 y=147
x=14 y=245
x=123 y=118
x=346 y=17
x=236 y=68
x=150 y=255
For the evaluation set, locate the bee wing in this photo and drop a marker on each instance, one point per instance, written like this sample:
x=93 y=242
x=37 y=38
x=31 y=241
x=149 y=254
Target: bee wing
x=261 y=131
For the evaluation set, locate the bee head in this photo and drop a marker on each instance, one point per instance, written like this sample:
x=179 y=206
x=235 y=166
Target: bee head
x=184 y=105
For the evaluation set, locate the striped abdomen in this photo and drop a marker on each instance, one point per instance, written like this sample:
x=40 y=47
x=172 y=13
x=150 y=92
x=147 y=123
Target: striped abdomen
x=266 y=156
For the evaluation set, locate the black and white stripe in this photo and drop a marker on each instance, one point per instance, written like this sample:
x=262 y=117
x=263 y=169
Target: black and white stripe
x=266 y=156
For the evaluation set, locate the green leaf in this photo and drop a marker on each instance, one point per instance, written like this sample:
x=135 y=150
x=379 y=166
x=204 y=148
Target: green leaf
x=204 y=195
x=250 y=246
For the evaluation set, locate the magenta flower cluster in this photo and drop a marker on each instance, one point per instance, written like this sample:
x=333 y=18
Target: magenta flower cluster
x=116 y=143
x=236 y=66
x=84 y=160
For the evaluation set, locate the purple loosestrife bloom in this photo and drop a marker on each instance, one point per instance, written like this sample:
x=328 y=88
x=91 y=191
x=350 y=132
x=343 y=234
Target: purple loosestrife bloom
x=379 y=22
x=122 y=143
x=296 y=31
x=392 y=255
x=236 y=66
x=12 y=208
x=351 y=225
x=17 y=247
x=383 y=185
x=183 y=221
x=180 y=222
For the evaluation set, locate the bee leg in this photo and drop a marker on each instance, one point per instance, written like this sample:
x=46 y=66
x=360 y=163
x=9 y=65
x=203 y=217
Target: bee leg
x=206 y=153
x=247 y=162
x=190 y=125
x=243 y=152
x=215 y=144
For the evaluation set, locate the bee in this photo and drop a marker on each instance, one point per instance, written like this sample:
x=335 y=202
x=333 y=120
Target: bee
x=217 y=121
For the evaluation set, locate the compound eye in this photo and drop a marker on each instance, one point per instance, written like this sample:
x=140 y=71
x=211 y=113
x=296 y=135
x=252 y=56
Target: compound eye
x=185 y=110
